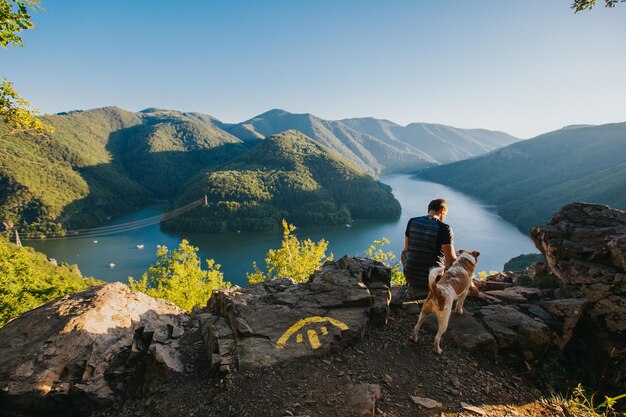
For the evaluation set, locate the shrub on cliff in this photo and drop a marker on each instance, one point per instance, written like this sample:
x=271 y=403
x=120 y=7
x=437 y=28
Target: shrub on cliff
x=178 y=277
x=28 y=280
x=295 y=259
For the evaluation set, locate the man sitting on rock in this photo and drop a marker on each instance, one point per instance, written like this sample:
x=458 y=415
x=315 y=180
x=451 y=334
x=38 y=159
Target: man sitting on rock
x=429 y=242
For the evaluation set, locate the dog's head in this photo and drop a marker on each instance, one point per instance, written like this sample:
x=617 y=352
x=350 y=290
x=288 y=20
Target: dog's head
x=473 y=253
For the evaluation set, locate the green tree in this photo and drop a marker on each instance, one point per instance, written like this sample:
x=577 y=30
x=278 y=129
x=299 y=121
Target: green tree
x=580 y=5
x=178 y=277
x=376 y=252
x=28 y=280
x=295 y=259
x=15 y=17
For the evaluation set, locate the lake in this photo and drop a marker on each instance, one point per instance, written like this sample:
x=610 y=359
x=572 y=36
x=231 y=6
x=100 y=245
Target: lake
x=476 y=227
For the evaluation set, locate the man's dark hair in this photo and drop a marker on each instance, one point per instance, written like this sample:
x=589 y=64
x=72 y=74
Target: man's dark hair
x=437 y=204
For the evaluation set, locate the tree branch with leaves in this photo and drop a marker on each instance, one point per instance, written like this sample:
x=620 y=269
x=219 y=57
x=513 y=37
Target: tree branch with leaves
x=15 y=111
x=580 y=5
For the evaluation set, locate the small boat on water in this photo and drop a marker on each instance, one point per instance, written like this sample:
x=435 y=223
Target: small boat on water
x=140 y=247
x=95 y=241
x=53 y=261
x=111 y=265
x=348 y=225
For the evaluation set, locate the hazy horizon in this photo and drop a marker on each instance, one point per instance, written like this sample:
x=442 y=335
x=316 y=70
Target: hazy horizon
x=524 y=68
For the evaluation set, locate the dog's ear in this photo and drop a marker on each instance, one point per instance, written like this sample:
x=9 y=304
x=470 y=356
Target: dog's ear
x=475 y=254
x=460 y=251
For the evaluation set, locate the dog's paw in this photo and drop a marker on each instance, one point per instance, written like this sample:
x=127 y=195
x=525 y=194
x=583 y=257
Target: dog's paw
x=459 y=311
x=438 y=350
x=413 y=338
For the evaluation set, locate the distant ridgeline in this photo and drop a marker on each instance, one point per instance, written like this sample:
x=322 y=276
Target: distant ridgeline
x=106 y=162
x=530 y=180
x=285 y=176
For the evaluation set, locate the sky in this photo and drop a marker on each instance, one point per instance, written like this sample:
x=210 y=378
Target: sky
x=523 y=67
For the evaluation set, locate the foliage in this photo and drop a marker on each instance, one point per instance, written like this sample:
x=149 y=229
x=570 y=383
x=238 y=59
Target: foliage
x=529 y=181
x=287 y=176
x=14 y=110
x=580 y=404
x=14 y=18
x=295 y=259
x=580 y=5
x=28 y=280
x=521 y=262
x=178 y=277
x=483 y=274
x=376 y=252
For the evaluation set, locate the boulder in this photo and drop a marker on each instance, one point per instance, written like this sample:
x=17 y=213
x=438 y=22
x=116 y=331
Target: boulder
x=515 y=331
x=88 y=349
x=567 y=312
x=277 y=321
x=465 y=332
x=585 y=249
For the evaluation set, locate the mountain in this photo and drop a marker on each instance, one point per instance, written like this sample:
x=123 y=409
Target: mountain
x=105 y=162
x=529 y=180
x=288 y=176
x=377 y=145
x=101 y=163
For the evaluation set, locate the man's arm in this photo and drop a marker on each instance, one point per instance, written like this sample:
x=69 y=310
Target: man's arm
x=406 y=243
x=449 y=255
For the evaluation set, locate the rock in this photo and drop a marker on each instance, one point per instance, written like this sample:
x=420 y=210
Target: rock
x=473 y=409
x=516 y=294
x=488 y=285
x=567 y=312
x=507 y=296
x=412 y=307
x=87 y=349
x=585 y=249
x=465 y=332
x=277 y=321
x=426 y=402
x=397 y=296
x=361 y=399
x=540 y=313
x=515 y=331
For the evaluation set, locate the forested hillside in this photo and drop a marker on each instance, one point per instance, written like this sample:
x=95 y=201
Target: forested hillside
x=530 y=180
x=377 y=145
x=102 y=163
x=286 y=176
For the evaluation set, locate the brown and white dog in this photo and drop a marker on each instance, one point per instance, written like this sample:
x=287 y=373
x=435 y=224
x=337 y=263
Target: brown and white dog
x=454 y=284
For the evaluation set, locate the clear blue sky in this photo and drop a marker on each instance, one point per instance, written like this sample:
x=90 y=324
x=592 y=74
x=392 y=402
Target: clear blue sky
x=524 y=67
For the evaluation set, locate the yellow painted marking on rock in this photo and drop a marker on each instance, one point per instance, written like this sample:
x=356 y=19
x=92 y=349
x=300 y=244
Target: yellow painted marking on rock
x=299 y=338
x=280 y=344
x=313 y=339
x=324 y=330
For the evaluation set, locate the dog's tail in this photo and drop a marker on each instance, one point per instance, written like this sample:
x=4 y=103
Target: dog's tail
x=432 y=277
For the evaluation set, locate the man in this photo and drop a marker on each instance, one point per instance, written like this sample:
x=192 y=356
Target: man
x=429 y=242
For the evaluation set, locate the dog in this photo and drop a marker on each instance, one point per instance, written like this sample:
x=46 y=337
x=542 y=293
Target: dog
x=454 y=285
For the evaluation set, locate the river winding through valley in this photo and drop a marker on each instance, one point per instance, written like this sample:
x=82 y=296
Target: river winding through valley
x=476 y=227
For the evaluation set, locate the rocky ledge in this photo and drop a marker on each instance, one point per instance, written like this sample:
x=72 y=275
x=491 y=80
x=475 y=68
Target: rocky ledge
x=263 y=324
x=585 y=248
x=87 y=349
